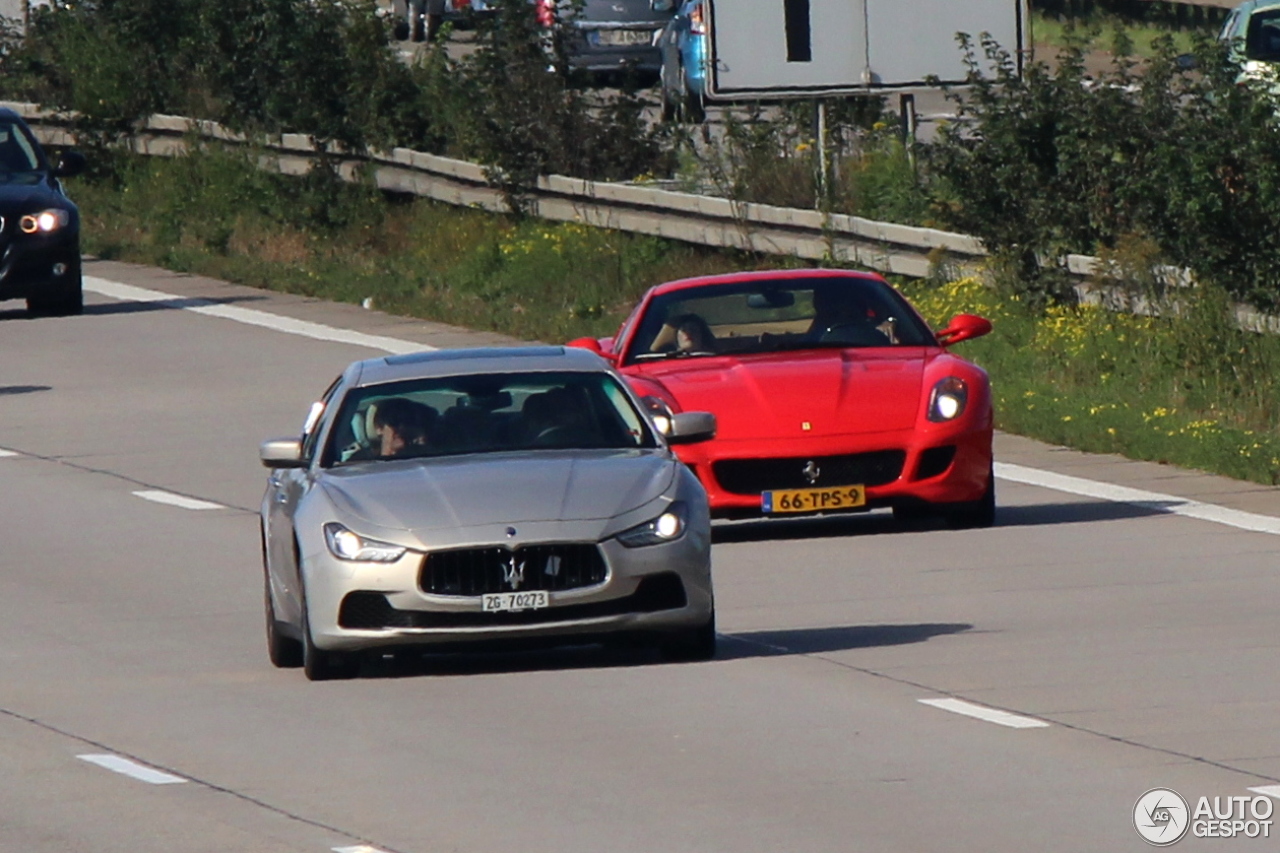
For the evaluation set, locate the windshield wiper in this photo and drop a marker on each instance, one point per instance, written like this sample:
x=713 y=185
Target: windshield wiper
x=655 y=356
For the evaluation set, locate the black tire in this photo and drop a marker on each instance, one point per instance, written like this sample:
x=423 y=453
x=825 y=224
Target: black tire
x=285 y=652
x=320 y=665
x=67 y=300
x=695 y=644
x=695 y=108
x=975 y=514
x=911 y=514
x=669 y=111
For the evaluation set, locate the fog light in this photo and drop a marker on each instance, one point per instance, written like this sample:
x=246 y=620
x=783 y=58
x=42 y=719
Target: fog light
x=59 y=269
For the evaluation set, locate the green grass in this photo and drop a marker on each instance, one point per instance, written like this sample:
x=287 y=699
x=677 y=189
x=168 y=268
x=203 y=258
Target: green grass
x=1053 y=31
x=1193 y=392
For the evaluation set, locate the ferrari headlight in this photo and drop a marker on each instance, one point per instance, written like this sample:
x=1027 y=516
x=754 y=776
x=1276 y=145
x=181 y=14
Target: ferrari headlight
x=44 y=222
x=346 y=545
x=667 y=527
x=948 y=399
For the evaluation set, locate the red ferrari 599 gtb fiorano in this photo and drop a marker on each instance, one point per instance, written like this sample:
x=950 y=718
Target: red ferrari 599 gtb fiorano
x=831 y=394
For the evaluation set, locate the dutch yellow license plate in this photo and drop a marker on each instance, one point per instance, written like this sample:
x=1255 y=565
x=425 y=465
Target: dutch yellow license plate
x=813 y=500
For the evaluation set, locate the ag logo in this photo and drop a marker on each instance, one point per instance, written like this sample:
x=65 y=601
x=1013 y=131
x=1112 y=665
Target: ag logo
x=1161 y=817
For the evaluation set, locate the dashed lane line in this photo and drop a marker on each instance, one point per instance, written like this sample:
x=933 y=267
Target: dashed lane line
x=132 y=769
x=990 y=715
x=171 y=499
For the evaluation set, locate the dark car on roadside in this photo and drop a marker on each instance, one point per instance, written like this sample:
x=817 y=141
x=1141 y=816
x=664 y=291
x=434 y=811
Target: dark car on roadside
x=613 y=37
x=39 y=224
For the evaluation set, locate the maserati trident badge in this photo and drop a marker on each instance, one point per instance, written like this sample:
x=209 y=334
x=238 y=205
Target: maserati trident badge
x=513 y=572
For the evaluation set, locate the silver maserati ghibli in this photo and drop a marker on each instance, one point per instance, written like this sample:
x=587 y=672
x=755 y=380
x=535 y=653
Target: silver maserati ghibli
x=476 y=495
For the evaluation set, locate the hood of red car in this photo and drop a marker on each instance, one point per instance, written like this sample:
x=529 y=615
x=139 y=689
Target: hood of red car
x=804 y=394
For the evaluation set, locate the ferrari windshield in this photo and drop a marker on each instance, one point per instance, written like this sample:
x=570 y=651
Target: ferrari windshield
x=761 y=316
x=485 y=413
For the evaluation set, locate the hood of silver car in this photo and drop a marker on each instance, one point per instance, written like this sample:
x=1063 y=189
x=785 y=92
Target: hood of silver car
x=500 y=488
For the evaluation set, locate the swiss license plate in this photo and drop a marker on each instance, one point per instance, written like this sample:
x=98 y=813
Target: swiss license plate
x=623 y=37
x=515 y=601
x=813 y=500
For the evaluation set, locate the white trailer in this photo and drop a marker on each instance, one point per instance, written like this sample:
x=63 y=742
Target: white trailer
x=806 y=48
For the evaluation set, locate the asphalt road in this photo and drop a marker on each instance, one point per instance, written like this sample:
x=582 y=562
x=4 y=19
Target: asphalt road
x=1122 y=618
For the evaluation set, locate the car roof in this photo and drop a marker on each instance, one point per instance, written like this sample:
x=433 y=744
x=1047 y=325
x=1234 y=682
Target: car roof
x=763 y=275
x=430 y=364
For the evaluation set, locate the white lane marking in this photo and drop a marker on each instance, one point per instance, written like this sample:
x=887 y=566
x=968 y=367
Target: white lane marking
x=359 y=848
x=176 y=500
x=288 y=325
x=1138 y=497
x=1272 y=791
x=991 y=715
x=6 y=453
x=132 y=768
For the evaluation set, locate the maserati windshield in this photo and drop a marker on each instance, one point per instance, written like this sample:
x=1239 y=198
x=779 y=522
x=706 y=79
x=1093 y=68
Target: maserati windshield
x=485 y=413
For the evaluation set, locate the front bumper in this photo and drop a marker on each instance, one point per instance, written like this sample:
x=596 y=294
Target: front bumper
x=29 y=264
x=354 y=606
x=905 y=468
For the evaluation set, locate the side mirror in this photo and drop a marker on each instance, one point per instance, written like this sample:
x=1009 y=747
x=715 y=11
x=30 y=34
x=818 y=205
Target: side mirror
x=594 y=345
x=688 y=427
x=70 y=164
x=962 y=328
x=282 y=453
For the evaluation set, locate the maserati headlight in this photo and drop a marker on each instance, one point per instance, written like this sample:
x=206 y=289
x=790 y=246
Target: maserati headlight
x=346 y=545
x=44 y=222
x=667 y=527
x=948 y=399
x=659 y=412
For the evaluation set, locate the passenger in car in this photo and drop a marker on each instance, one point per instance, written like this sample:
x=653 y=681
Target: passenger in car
x=687 y=333
x=842 y=316
x=402 y=426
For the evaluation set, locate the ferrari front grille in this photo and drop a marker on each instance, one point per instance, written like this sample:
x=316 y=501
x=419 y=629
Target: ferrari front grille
x=482 y=571
x=753 y=476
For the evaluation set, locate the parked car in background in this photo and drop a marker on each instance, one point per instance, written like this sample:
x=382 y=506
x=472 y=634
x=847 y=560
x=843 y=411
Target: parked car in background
x=465 y=496
x=39 y=224
x=1253 y=30
x=615 y=36
x=683 y=46
x=831 y=394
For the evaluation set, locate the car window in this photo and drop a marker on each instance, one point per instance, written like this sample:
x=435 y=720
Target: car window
x=312 y=426
x=17 y=152
x=773 y=315
x=1262 y=37
x=485 y=413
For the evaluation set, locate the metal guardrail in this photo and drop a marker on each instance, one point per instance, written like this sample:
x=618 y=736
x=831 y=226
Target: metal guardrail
x=882 y=246
x=705 y=220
